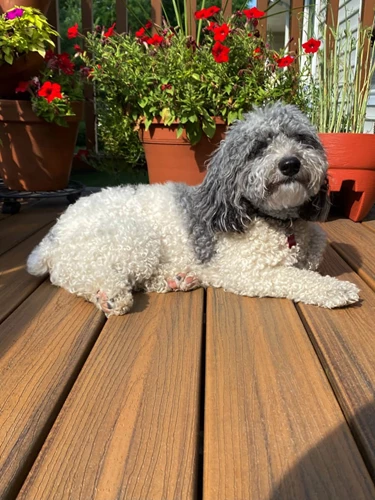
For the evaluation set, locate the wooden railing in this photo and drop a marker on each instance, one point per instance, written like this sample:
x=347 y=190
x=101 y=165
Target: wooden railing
x=296 y=7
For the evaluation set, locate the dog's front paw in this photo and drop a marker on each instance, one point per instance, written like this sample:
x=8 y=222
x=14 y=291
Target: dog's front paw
x=183 y=282
x=114 y=306
x=338 y=293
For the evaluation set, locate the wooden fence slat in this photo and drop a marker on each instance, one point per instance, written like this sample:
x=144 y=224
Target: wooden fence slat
x=226 y=5
x=262 y=26
x=156 y=12
x=295 y=27
x=191 y=22
x=42 y=348
x=273 y=429
x=344 y=341
x=129 y=429
x=122 y=16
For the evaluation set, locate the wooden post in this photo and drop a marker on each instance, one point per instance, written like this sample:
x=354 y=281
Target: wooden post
x=295 y=27
x=191 y=22
x=367 y=19
x=226 y=5
x=156 y=12
x=262 y=26
x=90 y=118
x=331 y=19
x=53 y=18
x=122 y=16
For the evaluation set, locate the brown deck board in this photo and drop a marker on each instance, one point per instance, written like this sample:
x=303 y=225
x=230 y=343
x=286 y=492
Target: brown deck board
x=15 y=282
x=345 y=341
x=356 y=245
x=18 y=227
x=129 y=428
x=43 y=344
x=273 y=429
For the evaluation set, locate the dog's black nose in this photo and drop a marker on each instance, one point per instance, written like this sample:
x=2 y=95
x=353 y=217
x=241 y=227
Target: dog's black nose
x=289 y=166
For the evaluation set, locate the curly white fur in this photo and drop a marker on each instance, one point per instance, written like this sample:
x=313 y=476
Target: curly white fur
x=231 y=232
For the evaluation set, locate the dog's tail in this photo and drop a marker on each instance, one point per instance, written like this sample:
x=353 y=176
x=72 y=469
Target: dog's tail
x=37 y=262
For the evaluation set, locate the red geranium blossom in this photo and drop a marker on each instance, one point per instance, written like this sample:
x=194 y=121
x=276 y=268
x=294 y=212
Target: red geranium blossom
x=155 y=40
x=221 y=32
x=257 y=52
x=220 y=52
x=201 y=14
x=140 y=32
x=50 y=91
x=22 y=87
x=211 y=26
x=283 y=62
x=77 y=48
x=253 y=13
x=73 y=31
x=65 y=64
x=211 y=11
x=148 y=25
x=110 y=31
x=311 y=46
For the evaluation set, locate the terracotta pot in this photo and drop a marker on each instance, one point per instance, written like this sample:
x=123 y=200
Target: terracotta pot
x=174 y=159
x=35 y=155
x=42 y=5
x=22 y=69
x=351 y=160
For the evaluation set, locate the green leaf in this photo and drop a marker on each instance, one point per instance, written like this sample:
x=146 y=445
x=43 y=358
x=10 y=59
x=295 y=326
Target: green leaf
x=8 y=59
x=209 y=127
x=232 y=115
x=180 y=130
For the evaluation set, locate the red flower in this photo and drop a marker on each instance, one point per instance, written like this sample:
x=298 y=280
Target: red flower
x=155 y=40
x=49 y=55
x=220 y=52
x=77 y=48
x=257 y=52
x=110 y=31
x=211 y=11
x=73 y=31
x=253 y=13
x=22 y=87
x=283 y=62
x=211 y=26
x=311 y=46
x=166 y=86
x=201 y=14
x=50 y=91
x=221 y=32
x=148 y=25
x=65 y=64
x=140 y=32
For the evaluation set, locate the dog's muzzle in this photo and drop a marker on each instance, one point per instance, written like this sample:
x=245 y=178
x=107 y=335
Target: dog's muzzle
x=289 y=166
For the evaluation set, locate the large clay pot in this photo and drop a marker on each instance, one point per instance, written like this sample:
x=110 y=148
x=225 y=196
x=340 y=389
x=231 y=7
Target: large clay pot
x=35 y=155
x=351 y=160
x=42 y=5
x=22 y=69
x=174 y=159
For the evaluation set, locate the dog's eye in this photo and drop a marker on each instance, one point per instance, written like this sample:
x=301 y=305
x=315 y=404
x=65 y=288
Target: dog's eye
x=257 y=147
x=308 y=140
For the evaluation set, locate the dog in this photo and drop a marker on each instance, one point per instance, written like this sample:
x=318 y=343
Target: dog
x=247 y=228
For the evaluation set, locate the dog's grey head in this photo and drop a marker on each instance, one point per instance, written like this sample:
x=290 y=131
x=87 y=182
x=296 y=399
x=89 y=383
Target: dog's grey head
x=270 y=162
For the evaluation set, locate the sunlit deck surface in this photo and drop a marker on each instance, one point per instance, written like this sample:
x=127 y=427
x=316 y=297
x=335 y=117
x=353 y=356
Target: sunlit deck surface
x=191 y=395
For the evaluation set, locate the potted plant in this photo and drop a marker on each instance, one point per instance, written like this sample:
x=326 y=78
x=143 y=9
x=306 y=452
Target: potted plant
x=38 y=131
x=182 y=93
x=339 y=91
x=25 y=36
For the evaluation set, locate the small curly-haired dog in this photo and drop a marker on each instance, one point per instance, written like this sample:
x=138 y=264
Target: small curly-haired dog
x=245 y=228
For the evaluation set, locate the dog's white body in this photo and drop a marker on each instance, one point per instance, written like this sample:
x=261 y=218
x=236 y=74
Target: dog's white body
x=245 y=228
x=147 y=241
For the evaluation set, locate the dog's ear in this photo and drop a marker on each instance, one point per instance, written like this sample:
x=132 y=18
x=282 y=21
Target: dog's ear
x=318 y=207
x=220 y=202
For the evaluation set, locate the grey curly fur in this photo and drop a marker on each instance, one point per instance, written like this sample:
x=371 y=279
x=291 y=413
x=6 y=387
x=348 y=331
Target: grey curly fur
x=243 y=170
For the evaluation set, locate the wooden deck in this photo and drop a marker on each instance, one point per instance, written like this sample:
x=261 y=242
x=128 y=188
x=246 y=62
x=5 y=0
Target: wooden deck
x=196 y=395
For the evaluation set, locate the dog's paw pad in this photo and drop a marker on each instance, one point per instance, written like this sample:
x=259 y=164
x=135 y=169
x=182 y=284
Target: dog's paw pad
x=183 y=282
x=104 y=304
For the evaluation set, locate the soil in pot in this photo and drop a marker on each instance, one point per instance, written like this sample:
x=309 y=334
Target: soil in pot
x=35 y=155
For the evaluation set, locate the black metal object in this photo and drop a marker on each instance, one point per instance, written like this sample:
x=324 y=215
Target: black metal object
x=10 y=198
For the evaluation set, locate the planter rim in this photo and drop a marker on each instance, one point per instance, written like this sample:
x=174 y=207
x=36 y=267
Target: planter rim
x=13 y=110
x=346 y=134
x=158 y=121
